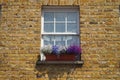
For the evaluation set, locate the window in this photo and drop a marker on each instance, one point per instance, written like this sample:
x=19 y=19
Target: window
x=60 y=26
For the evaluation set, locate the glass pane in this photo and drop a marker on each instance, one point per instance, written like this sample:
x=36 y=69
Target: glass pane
x=48 y=40
x=48 y=27
x=60 y=16
x=60 y=27
x=48 y=16
x=60 y=40
x=72 y=40
x=71 y=27
x=72 y=16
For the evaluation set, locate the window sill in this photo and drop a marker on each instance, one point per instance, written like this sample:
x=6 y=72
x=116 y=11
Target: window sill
x=61 y=62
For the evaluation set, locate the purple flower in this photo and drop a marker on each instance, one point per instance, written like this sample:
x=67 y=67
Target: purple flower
x=74 y=49
x=55 y=50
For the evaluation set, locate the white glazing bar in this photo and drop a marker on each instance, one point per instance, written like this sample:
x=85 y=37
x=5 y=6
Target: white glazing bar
x=54 y=27
x=65 y=28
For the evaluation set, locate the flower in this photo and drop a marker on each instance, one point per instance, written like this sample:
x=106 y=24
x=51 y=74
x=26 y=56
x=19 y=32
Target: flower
x=74 y=49
x=55 y=50
x=62 y=49
x=46 y=49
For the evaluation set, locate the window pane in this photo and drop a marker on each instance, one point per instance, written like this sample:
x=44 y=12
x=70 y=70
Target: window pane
x=60 y=27
x=71 y=27
x=72 y=40
x=60 y=16
x=48 y=27
x=48 y=16
x=60 y=40
x=72 y=16
x=48 y=40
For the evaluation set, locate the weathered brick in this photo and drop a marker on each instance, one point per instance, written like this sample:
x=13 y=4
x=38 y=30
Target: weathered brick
x=20 y=28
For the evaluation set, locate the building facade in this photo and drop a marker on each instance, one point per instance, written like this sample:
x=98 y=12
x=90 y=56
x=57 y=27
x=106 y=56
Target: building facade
x=21 y=34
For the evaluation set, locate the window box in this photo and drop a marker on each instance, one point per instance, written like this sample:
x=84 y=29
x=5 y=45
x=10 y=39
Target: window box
x=62 y=57
x=65 y=57
x=58 y=53
x=51 y=57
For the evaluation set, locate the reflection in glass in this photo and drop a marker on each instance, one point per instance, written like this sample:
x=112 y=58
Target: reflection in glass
x=72 y=16
x=72 y=40
x=48 y=27
x=60 y=40
x=60 y=27
x=71 y=27
x=48 y=16
x=48 y=40
x=60 y=16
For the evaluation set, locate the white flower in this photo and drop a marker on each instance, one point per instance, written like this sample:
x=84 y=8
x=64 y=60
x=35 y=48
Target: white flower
x=46 y=49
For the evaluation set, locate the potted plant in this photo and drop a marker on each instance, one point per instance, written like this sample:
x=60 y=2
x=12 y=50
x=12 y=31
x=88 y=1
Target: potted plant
x=72 y=53
x=74 y=49
x=62 y=53
x=47 y=51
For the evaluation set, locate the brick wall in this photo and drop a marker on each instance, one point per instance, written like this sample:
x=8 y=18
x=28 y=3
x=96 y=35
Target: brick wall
x=20 y=26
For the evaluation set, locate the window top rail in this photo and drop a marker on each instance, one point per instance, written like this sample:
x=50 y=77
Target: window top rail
x=60 y=33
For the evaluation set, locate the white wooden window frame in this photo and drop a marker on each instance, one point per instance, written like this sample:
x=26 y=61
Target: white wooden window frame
x=59 y=9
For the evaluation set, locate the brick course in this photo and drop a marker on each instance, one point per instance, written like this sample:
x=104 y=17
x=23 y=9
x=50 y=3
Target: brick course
x=20 y=27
